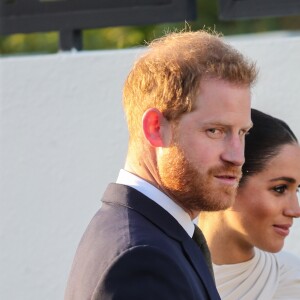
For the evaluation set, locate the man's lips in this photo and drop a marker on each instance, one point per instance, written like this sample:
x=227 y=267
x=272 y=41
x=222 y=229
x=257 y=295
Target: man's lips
x=282 y=229
x=228 y=178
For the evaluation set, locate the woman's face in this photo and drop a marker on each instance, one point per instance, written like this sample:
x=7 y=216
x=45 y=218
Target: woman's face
x=267 y=203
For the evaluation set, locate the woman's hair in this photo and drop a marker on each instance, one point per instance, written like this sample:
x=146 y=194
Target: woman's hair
x=264 y=142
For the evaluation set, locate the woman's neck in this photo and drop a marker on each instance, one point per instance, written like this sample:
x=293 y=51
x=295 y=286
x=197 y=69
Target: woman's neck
x=226 y=245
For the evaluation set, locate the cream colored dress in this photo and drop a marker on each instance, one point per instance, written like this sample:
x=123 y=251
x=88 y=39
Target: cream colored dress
x=267 y=276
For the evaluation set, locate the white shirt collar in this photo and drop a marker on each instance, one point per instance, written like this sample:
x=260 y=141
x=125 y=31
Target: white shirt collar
x=159 y=197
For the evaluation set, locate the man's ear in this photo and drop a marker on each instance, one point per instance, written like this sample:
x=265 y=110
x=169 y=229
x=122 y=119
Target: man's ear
x=154 y=125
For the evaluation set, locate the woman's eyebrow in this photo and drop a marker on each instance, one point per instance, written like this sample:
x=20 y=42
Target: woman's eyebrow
x=288 y=179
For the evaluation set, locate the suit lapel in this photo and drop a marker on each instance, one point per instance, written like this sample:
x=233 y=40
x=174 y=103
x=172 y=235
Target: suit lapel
x=197 y=260
x=131 y=198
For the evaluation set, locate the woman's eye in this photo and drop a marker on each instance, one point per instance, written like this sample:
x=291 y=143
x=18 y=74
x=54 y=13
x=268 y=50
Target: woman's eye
x=280 y=189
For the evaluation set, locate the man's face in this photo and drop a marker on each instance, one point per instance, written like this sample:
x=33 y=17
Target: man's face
x=202 y=167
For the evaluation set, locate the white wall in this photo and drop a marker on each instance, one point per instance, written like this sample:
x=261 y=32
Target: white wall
x=63 y=138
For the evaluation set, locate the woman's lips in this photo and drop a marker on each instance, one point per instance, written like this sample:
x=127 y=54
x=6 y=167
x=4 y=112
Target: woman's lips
x=282 y=230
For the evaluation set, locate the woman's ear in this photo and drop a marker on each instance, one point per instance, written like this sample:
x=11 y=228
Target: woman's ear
x=154 y=125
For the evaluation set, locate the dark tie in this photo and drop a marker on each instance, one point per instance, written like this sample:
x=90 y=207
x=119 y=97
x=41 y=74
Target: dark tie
x=199 y=238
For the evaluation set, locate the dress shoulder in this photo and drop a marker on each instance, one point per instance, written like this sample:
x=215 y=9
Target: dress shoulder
x=254 y=279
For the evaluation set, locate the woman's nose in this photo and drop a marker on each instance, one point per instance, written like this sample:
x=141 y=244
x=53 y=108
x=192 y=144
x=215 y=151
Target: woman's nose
x=293 y=209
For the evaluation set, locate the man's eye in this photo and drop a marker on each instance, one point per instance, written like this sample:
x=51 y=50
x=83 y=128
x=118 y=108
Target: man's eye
x=244 y=132
x=280 y=189
x=214 y=132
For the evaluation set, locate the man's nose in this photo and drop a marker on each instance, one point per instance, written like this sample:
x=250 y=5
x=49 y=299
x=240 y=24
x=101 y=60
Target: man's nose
x=234 y=151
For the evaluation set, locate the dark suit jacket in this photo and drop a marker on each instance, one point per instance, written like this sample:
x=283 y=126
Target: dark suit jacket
x=135 y=250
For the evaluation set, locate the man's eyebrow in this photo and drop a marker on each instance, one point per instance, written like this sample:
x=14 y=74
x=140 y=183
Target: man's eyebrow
x=287 y=179
x=213 y=123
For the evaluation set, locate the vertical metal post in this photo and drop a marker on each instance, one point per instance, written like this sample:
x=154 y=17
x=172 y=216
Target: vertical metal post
x=70 y=39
